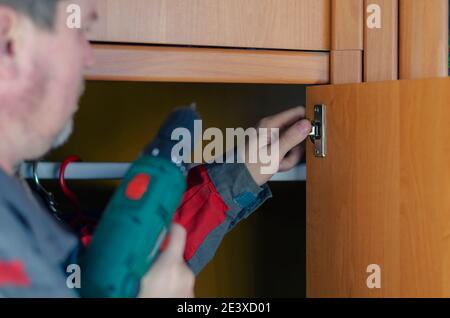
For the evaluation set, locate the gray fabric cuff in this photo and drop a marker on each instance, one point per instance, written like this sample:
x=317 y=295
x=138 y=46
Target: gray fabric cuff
x=209 y=247
x=242 y=196
x=238 y=189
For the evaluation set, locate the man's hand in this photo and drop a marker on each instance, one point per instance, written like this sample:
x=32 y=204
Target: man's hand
x=294 y=129
x=170 y=277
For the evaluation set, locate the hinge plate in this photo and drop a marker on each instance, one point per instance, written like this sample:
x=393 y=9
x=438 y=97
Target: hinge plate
x=318 y=133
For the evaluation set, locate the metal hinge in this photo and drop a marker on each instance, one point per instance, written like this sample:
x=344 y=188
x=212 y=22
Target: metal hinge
x=318 y=133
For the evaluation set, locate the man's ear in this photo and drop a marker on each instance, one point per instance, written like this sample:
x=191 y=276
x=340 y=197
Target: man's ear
x=8 y=56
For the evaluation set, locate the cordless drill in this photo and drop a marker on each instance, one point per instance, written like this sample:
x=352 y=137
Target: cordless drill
x=129 y=235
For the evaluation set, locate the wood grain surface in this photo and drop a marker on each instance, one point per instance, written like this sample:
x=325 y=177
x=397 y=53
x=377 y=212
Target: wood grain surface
x=382 y=194
x=423 y=38
x=175 y=64
x=381 y=45
x=284 y=24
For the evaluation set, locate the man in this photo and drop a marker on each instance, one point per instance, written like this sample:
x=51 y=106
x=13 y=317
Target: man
x=41 y=79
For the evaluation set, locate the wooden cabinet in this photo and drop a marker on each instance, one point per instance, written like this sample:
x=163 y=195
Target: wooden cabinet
x=224 y=41
x=280 y=24
x=378 y=204
x=266 y=41
x=382 y=194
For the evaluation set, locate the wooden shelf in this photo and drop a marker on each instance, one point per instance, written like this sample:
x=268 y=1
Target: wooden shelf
x=282 y=24
x=208 y=65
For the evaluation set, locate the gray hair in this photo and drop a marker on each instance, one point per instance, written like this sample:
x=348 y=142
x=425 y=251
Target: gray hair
x=41 y=12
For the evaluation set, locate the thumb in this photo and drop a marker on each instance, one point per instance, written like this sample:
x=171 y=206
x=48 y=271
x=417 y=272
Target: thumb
x=294 y=135
x=177 y=241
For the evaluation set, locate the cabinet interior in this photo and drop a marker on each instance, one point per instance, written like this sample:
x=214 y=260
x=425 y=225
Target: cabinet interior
x=265 y=254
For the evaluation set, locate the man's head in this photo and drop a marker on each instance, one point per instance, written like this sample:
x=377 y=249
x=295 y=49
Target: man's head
x=41 y=74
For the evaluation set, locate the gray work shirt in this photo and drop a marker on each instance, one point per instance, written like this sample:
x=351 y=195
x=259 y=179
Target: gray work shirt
x=34 y=248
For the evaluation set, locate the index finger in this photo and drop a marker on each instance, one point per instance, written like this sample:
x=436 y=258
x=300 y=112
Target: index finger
x=177 y=241
x=285 y=118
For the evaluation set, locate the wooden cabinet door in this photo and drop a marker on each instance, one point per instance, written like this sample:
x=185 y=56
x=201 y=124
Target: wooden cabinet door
x=381 y=196
x=284 y=24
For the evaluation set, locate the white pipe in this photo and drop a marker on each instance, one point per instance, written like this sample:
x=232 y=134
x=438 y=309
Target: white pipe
x=115 y=171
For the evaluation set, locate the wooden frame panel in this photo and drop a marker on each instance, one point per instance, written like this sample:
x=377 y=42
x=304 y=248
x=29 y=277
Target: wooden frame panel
x=346 y=67
x=280 y=24
x=381 y=45
x=423 y=38
x=346 y=41
x=347 y=24
x=182 y=64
